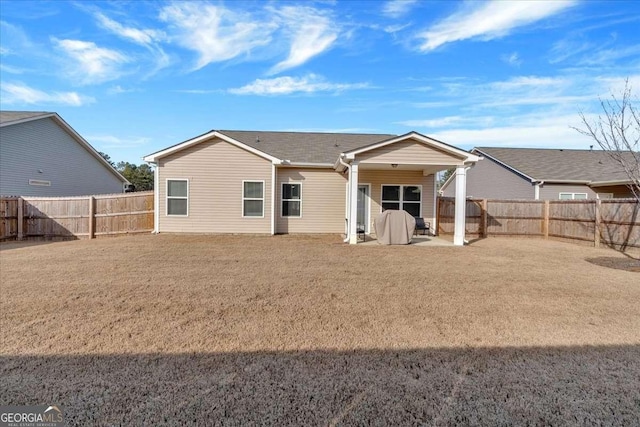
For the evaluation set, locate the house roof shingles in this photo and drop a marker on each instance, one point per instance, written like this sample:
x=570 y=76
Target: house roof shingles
x=559 y=164
x=305 y=147
x=7 y=117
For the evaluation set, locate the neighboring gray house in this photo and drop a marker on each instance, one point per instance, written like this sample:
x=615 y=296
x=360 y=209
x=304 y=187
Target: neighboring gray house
x=41 y=155
x=545 y=174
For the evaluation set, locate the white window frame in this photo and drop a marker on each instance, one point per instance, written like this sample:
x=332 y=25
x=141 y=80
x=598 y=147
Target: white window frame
x=401 y=201
x=167 y=197
x=573 y=196
x=604 y=196
x=262 y=181
x=282 y=199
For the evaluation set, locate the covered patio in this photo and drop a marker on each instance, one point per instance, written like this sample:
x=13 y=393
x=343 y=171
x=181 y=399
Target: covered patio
x=418 y=240
x=400 y=173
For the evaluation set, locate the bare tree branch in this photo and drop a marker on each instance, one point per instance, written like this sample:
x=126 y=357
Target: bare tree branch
x=617 y=132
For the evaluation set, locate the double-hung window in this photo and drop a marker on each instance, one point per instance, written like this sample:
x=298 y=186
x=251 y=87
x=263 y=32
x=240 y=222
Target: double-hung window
x=403 y=197
x=291 y=199
x=253 y=199
x=178 y=197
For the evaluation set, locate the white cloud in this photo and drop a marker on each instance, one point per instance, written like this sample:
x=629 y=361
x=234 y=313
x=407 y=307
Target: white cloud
x=392 y=29
x=93 y=64
x=142 y=37
x=528 y=81
x=512 y=59
x=13 y=38
x=12 y=70
x=148 y=38
x=111 y=141
x=609 y=57
x=398 y=8
x=311 y=31
x=19 y=93
x=215 y=32
x=541 y=135
x=287 y=85
x=490 y=20
x=526 y=111
x=443 y=122
x=117 y=90
x=566 y=48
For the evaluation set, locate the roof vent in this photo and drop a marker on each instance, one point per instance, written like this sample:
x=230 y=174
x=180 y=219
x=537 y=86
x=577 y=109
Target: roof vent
x=257 y=139
x=336 y=145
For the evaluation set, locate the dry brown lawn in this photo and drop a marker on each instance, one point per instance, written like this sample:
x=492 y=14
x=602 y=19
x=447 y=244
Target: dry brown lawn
x=231 y=330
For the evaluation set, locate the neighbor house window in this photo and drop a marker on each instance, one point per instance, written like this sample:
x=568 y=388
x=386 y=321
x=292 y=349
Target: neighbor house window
x=291 y=199
x=177 y=197
x=403 y=197
x=253 y=198
x=573 y=196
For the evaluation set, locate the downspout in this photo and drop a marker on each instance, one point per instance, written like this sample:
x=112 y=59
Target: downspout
x=536 y=190
x=346 y=225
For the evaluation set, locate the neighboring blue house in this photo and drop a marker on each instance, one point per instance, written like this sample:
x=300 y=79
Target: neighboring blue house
x=41 y=155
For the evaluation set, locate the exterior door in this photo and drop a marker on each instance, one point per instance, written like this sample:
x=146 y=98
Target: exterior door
x=363 y=206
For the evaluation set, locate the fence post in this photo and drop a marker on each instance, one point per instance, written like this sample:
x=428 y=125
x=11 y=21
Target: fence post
x=92 y=217
x=596 y=228
x=485 y=226
x=436 y=230
x=20 y=218
x=545 y=221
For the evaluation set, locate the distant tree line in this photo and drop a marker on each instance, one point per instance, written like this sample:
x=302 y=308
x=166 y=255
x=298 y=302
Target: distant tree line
x=141 y=176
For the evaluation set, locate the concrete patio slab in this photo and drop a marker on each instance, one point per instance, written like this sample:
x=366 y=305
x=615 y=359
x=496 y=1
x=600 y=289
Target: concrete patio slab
x=415 y=241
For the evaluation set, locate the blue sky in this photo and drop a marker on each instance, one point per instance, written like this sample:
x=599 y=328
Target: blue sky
x=135 y=77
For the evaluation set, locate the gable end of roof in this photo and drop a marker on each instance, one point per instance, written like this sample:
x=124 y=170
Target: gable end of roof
x=154 y=157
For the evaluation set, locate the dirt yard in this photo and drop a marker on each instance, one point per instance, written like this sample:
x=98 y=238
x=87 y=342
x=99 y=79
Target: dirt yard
x=291 y=330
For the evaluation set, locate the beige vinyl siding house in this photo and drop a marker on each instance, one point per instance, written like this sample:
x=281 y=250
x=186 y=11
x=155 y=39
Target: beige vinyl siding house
x=215 y=171
x=545 y=174
x=322 y=208
x=296 y=182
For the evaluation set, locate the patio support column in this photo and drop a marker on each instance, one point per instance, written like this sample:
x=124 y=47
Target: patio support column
x=156 y=197
x=353 y=203
x=460 y=205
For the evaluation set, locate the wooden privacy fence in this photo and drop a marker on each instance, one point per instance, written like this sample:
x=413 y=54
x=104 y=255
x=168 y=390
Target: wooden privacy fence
x=75 y=217
x=612 y=222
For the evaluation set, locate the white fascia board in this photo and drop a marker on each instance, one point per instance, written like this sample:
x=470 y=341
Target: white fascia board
x=567 y=181
x=608 y=183
x=467 y=156
x=213 y=134
x=506 y=165
x=75 y=135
